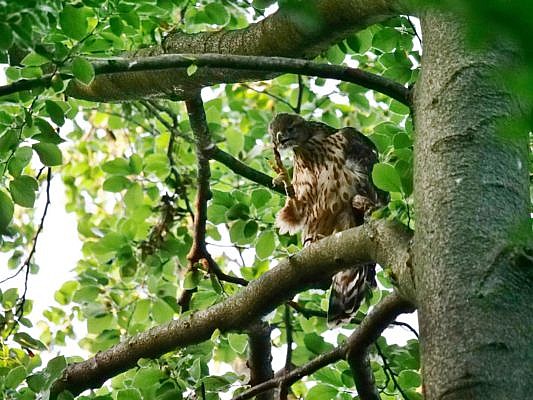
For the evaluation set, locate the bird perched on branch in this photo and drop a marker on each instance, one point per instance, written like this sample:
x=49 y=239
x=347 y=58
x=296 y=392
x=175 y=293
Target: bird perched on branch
x=331 y=190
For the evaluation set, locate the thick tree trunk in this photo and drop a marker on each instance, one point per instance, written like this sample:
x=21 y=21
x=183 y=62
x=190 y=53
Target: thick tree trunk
x=472 y=274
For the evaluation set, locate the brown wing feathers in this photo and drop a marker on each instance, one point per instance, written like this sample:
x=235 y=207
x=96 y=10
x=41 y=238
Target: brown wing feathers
x=332 y=192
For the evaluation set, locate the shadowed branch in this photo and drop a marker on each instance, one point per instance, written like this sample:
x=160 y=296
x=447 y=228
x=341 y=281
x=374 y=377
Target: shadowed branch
x=370 y=329
x=383 y=241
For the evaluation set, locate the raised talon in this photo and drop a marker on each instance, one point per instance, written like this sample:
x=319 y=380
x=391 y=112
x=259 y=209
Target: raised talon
x=280 y=179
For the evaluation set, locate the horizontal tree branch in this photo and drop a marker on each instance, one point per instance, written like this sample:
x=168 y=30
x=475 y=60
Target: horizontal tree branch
x=285 y=34
x=381 y=316
x=253 y=67
x=383 y=241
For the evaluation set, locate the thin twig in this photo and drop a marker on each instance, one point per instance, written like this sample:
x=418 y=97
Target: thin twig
x=306 y=312
x=301 y=86
x=392 y=375
x=406 y=325
x=26 y=265
x=414 y=30
x=270 y=94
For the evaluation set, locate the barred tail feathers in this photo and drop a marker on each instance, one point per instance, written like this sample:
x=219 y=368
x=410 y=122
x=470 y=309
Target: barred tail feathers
x=348 y=290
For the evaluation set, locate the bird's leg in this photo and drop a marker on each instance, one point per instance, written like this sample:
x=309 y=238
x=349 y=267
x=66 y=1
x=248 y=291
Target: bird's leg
x=282 y=174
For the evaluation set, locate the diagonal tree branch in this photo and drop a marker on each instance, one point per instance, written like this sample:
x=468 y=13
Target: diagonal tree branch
x=244 y=170
x=370 y=329
x=383 y=241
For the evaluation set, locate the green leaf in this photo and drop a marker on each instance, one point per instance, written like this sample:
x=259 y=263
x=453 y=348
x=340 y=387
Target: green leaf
x=236 y=232
x=192 y=279
x=56 y=366
x=238 y=342
x=329 y=375
x=260 y=197
x=262 y=4
x=386 y=178
x=316 y=343
x=266 y=243
x=234 y=140
x=136 y=164
x=86 y=294
x=386 y=39
x=73 y=21
x=20 y=159
x=34 y=60
x=216 y=213
x=115 y=23
x=118 y=166
x=116 y=183
x=26 y=340
x=238 y=211
x=99 y=323
x=335 y=55
x=36 y=382
x=15 y=377
x=250 y=229
x=134 y=196
x=129 y=394
x=203 y=299
x=9 y=298
x=112 y=241
x=217 y=14
x=55 y=112
x=83 y=70
x=8 y=141
x=142 y=310
x=321 y=392
x=161 y=311
x=191 y=69
x=409 y=379
x=48 y=153
x=23 y=190
x=146 y=377
x=6 y=36
x=6 y=211
x=157 y=164
x=44 y=127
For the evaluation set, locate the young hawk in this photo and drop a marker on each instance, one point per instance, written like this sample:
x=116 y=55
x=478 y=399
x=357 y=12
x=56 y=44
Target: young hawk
x=333 y=191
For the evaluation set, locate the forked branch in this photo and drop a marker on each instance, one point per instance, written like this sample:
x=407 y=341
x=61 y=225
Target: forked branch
x=383 y=241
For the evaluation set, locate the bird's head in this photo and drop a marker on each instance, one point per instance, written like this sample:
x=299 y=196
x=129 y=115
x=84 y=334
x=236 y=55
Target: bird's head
x=289 y=131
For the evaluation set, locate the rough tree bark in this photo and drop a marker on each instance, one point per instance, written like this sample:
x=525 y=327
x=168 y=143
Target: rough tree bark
x=473 y=288
x=285 y=34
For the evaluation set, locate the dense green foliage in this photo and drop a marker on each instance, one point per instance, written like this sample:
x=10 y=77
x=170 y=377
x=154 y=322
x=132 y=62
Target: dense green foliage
x=130 y=175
